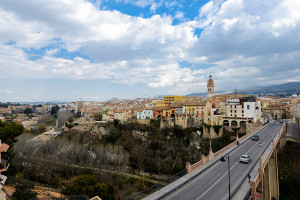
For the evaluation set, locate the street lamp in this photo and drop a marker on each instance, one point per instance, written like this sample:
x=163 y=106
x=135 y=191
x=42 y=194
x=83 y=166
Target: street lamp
x=228 y=176
x=260 y=154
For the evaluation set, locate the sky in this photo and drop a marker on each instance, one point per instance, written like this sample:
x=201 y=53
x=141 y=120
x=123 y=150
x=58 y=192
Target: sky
x=67 y=50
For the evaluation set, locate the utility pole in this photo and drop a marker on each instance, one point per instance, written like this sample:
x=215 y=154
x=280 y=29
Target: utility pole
x=228 y=177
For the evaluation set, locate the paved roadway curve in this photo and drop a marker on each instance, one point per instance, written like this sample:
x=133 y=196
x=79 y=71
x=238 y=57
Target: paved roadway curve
x=213 y=183
x=292 y=130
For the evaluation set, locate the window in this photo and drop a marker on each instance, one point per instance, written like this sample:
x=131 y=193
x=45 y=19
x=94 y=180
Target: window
x=235 y=115
x=248 y=107
x=231 y=111
x=234 y=106
x=235 y=111
x=242 y=111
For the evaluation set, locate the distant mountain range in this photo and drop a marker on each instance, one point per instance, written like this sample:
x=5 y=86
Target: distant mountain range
x=286 y=89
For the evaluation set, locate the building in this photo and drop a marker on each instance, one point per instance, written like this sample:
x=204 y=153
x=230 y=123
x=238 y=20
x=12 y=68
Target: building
x=145 y=114
x=277 y=110
x=245 y=107
x=295 y=111
x=210 y=87
x=121 y=115
x=4 y=164
x=171 y=99
x=78 y=106
x=176 y=109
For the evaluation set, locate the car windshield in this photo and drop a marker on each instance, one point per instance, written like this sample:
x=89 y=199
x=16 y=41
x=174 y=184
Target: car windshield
x=244 y=156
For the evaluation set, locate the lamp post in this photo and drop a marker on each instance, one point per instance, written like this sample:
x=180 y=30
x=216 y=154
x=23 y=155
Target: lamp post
x=210 y=150
x=259 y=155
x=228 y=176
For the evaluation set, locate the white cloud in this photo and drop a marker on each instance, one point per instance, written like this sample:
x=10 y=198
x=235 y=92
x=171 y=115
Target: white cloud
x=154 y=6
x=247 y=41
x=179 y=15
x=7 y=91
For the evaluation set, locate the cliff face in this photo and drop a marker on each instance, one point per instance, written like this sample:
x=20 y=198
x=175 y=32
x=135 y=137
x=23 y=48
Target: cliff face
x=289 y=171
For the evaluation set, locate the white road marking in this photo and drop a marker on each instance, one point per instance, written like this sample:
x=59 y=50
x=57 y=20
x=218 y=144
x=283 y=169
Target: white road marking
x=226 y=173
x=220 y=178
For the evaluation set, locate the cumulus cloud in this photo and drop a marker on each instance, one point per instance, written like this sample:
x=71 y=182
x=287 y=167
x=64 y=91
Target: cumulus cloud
x=247 y=43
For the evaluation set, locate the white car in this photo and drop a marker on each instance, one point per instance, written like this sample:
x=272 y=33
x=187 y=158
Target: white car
x=245 y=158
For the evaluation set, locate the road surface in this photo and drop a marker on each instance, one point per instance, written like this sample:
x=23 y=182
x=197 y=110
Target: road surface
x=292 y=130
x=214 y=183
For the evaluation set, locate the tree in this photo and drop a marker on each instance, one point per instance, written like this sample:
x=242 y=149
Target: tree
x=54 y=109
x=9 y=130
x=28 y=111
x=41 y=128
x=90 y=185
x=71 y=120
x=23 y=191
x=63 y=116
x=97 y=116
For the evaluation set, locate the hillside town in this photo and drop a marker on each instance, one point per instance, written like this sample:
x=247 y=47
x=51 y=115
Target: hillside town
x=216 y=116
x=228 y=110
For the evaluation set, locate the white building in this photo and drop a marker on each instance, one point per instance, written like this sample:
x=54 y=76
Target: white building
x=246 y=107
x=252 y=110
x=145 y=114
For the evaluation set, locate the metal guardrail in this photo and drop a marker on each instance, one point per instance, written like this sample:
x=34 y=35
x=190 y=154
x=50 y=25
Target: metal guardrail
x=157 y=186
x=244 y=178
x=73 y=197
x=200 y=172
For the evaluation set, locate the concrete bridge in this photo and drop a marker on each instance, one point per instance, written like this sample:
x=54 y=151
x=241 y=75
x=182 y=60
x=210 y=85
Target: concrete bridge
x=210 y=178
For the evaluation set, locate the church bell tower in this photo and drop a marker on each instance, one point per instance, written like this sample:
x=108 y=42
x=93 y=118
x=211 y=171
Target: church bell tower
x=210 y=87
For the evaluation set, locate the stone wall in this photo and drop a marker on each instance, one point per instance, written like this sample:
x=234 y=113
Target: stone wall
x=144 y=121
x=93 y=127
x=170 y=122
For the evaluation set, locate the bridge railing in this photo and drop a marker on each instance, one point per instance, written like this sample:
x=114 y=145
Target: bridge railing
x=266 y=160
x=208 y=158
x=254 y=183
x=156 y=187
x=225 y=149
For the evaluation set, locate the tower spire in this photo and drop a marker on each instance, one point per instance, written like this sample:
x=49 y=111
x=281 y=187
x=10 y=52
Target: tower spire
x=210 y=87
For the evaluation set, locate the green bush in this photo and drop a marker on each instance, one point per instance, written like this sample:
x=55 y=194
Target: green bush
x=90 y=185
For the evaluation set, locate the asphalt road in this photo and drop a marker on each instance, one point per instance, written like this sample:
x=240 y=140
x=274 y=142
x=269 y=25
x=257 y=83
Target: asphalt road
x=214 y=183
x=292 y=130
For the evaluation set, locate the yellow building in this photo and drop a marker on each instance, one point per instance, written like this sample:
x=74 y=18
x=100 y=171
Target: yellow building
x=167 y=111
x=162 y=104
x=171 y=99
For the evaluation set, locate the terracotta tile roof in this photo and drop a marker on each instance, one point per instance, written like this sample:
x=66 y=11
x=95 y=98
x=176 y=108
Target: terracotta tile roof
x=195 y=103
x=176 y=105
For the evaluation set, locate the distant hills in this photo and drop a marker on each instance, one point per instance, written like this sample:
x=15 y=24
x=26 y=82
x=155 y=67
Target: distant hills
x=286 y=89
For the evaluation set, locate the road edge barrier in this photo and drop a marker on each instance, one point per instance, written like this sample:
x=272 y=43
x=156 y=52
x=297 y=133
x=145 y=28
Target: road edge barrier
x=208 y=166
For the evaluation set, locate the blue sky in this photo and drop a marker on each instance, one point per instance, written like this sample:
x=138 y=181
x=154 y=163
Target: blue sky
x=98 y=49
